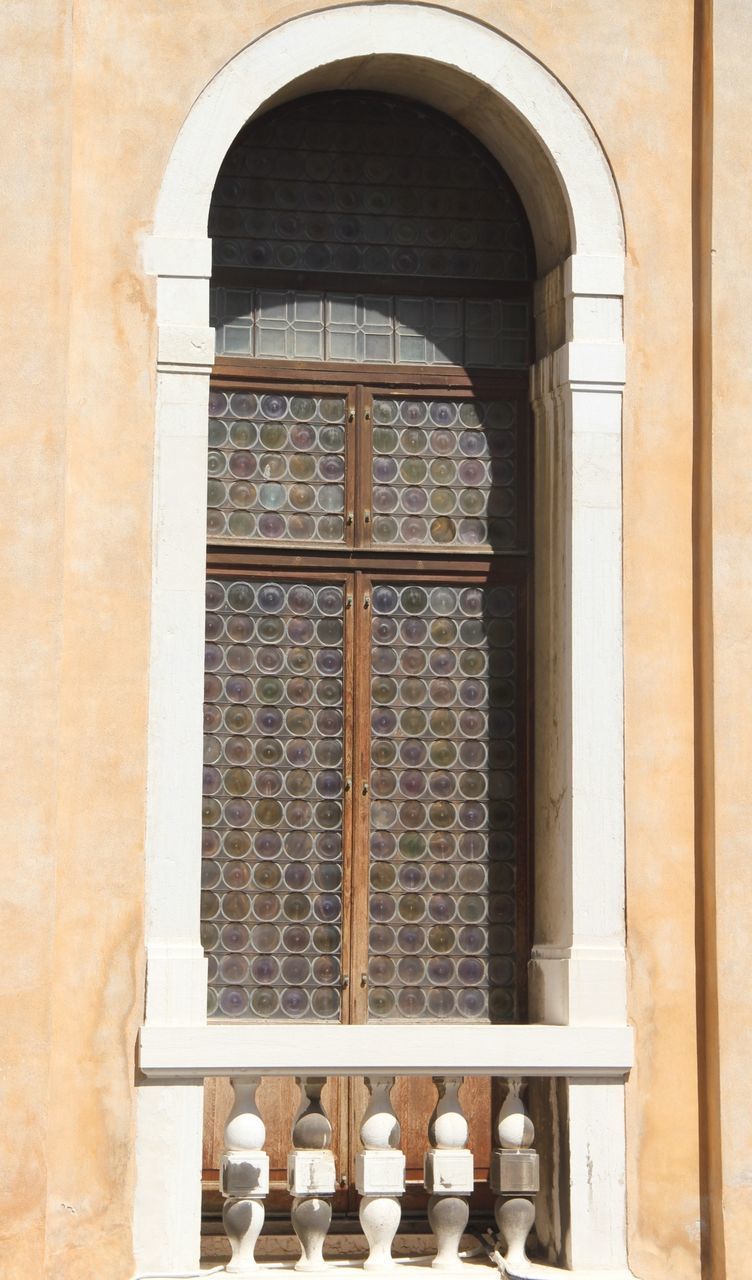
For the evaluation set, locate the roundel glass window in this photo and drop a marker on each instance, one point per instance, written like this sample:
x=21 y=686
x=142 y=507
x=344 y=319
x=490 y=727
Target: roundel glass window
x=365 y=834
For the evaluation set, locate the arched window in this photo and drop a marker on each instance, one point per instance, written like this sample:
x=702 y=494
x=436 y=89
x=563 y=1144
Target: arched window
x=365 y=809
x=577 y=967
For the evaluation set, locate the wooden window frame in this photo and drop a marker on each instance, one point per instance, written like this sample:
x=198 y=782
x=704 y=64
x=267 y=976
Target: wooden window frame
x=356 y=564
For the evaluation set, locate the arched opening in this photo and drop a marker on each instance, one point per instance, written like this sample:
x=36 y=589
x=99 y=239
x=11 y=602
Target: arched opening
x=367 y=780
x=527 y=120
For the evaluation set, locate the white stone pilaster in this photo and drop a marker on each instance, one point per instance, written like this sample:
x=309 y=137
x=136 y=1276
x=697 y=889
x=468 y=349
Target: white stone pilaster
x=596 y=1176
x=169 y=1113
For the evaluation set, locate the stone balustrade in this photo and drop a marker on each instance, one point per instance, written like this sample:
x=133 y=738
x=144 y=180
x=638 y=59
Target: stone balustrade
x=380 y=1175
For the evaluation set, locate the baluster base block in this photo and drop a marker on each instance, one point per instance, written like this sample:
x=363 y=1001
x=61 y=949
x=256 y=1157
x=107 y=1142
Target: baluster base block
x=448 y=1172
x=311 y=1173
x=244 y=1174
x=514 y=1172
x=380 y=1173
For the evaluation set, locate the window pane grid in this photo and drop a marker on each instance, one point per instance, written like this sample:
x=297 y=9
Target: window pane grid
x=443 y=815
x=370 y=329
x=436 y=840
x=276 y=466
x=271 y=904
x=444 y=472
x=385 y=187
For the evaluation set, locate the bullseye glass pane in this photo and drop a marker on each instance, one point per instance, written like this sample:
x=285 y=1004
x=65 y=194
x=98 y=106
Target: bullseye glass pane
x=276 y=467
x=443 y=803
x=365 y=183
x=272 y=810
x=444 y=473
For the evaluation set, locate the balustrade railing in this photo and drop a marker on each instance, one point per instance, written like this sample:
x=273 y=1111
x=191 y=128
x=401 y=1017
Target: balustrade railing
x=579 y=1069
x=380 y=1175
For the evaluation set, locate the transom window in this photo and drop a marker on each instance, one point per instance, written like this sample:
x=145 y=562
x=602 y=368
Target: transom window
x=365 y=784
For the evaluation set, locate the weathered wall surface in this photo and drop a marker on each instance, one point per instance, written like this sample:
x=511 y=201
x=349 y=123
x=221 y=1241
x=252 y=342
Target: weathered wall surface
x=85 y=158
x=731 y=384
x=35 y=89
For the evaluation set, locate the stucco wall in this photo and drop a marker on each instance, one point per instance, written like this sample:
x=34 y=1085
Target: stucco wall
x=95 y=112
x=35 y=87
x=730 y=306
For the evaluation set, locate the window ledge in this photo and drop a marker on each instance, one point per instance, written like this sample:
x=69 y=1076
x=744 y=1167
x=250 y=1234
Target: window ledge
x=220 y=1049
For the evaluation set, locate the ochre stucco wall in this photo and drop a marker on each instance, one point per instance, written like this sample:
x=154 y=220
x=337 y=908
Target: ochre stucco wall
x=731 y=384
x=95 y=111
x=35 y=282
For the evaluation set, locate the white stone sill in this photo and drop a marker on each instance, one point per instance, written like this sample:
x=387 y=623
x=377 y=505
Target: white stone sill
x=179 y=1052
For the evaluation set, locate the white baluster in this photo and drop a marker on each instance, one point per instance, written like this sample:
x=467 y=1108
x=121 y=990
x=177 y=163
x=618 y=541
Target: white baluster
x=515 y=1178
x=311 y=1174
x=448 y=1172
x=380 y=1174
x=244 y=1176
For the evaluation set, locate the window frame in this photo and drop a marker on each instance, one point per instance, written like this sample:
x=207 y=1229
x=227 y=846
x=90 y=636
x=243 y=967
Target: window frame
x=358 y=563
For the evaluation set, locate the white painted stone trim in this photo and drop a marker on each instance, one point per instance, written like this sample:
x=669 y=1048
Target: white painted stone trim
x=578 y=971
x=266 y=1049
x=429 y=34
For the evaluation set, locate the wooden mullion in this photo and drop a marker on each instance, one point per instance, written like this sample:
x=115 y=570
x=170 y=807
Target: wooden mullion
x=247 y=371
x=239 y=277
x=337 y=574
x=360 y=452
x=351 y=458
x=348 y=833
x=238 y=375
x=242 y=559
x=365 y=467
x=361 y=718
x=486 y=384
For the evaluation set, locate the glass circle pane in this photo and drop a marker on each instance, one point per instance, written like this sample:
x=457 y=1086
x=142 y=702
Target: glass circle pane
x=381 y=1002
x=411 y=1001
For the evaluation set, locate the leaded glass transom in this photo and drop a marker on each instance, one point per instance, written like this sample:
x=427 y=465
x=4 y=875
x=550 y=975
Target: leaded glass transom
x=364 y=183
x=370 y=329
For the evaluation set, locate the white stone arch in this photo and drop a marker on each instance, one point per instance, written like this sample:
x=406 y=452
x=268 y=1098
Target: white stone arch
x=528 y=120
